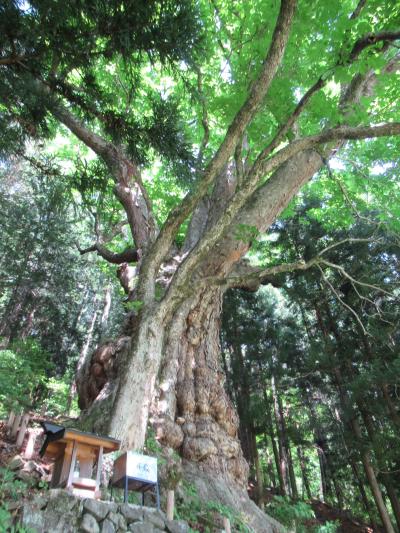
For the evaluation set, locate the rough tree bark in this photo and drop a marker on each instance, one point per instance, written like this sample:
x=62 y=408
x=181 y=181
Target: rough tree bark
x=184 y=325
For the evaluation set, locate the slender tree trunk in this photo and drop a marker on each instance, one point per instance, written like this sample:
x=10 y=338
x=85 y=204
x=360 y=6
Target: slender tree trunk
x=275 y=451
x=271 y=431
x=270 y=468
x=359 y=483
x=259 y=473
x=385 y=477
x=363 y=494
x=283 y=461
x=365 y=458
x=303 y=467
x=242 y=394
x=292 y=477
x=319 y=440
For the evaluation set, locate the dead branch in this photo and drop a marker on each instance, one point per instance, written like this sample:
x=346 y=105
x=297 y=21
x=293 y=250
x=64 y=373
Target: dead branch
x=341 y=301
x=353 y=280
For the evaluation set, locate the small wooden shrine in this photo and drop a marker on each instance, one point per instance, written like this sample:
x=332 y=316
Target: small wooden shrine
x=77 y=458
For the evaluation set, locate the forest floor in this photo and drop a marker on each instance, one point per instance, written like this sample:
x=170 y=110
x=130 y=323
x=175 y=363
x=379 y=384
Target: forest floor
x=326 y=513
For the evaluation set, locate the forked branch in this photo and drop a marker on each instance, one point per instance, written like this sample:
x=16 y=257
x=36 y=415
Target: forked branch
x=258 y=91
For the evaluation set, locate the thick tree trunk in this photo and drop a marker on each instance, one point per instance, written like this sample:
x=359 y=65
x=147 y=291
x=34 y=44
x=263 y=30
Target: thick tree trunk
x=192 y=391
x=191 y=411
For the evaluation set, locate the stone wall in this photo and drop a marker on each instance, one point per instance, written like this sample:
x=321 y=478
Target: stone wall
x=57 y=511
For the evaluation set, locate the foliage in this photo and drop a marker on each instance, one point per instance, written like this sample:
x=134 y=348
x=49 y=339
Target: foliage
x=11 y=489
x=291 y=514
x=291 y=346
x=328 y=527
x=23 y=377
x=50 y=293
x=192 y=509
x=57 y=398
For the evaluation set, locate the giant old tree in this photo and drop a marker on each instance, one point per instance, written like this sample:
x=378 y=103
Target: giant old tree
x=204 y=119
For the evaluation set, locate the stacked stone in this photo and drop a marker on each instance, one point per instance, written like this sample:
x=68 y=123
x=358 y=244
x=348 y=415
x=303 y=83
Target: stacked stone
x=103 y=517
x=59 y=512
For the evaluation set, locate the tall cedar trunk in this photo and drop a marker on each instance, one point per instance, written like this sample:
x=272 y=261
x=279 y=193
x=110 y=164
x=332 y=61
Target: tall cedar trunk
x=365 y=456
x=319 y=440
x=270 y=468
x=395 y=419
x=271 y=430
x=304 y=474
x=283 y=460
x=240 y=381
x=258 y=470
x=385 y=477
x=275 y=451
x=363 y=494
x=355 y=427
x=292 y=477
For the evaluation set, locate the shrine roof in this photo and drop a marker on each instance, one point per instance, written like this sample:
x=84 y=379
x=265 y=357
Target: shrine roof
x=55 y=432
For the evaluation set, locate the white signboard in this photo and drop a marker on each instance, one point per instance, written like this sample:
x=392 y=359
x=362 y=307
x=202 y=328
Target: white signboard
x=141 y=467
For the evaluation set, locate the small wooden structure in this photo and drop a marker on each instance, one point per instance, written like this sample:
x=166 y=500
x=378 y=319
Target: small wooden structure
x=76 y=455
x=133 y=471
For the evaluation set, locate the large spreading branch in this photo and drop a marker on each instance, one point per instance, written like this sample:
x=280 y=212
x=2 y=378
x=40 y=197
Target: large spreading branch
x=128 y=188
x=305 y=162
x=250 y=277
x=257 y=93
x=272 y=196
x=261 y=166
x=211 y=238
